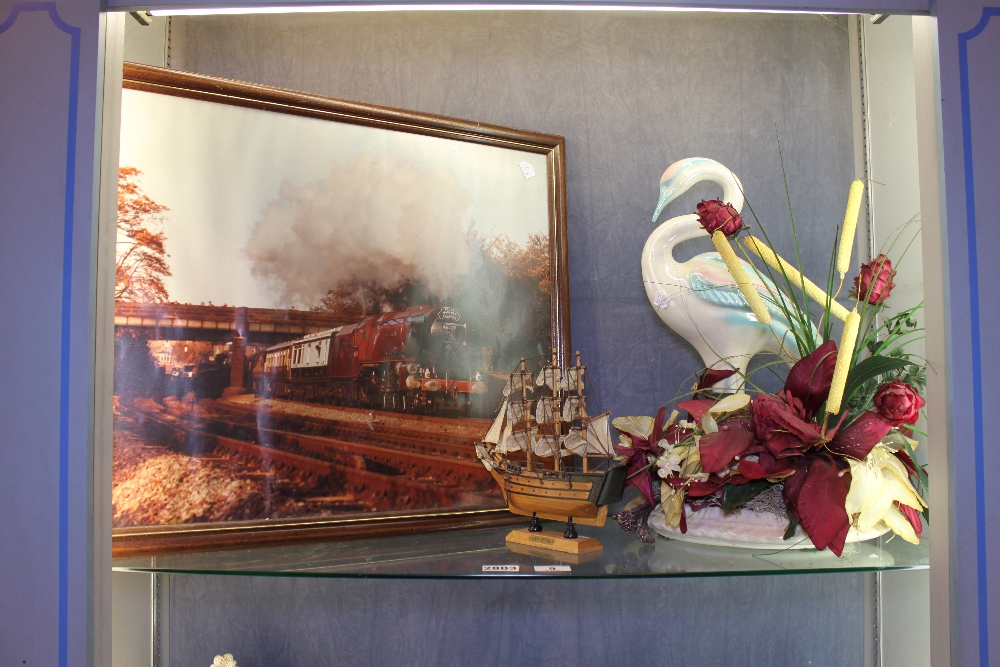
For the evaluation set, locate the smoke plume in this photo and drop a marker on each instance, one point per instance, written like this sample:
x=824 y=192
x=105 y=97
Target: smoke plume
x=370 y=221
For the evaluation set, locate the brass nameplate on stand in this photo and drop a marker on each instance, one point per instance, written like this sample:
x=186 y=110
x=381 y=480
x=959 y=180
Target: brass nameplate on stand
x=553 y=541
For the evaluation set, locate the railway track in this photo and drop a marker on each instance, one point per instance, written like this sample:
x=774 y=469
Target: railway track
x=385 y=469
x=423 y=436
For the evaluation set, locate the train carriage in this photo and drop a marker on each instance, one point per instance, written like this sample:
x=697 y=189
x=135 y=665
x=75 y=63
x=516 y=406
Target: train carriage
x=414 y=361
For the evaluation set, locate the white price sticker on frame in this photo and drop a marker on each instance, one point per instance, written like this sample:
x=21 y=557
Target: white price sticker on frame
x=501 y=568
x=527 y=170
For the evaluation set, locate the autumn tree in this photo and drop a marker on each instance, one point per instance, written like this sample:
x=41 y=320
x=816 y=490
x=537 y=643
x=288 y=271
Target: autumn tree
x=141 y=258
x=529 y=276
x=529 y=264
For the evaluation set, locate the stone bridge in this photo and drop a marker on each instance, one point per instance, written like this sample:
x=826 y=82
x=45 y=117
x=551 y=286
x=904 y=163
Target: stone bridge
x=222 y=324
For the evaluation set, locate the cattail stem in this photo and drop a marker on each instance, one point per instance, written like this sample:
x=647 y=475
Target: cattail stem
x=739 y=274
x=850 y=225
x=759 y=248
x=843 y=365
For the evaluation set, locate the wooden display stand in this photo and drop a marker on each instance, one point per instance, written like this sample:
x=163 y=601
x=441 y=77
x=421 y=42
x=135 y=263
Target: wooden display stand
x=555 y=556
x=553 y=541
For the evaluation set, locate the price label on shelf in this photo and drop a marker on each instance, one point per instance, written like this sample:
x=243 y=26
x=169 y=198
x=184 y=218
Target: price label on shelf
x=553 y=568
x=501 y=568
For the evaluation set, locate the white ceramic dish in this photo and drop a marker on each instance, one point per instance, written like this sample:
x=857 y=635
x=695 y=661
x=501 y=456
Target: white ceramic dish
x=741 y=529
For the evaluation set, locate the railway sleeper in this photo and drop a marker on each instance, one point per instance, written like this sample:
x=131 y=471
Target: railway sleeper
x=396 y=438
x=260 y=435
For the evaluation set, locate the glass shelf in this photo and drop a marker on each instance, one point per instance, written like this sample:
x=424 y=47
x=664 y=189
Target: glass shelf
x=465 y=553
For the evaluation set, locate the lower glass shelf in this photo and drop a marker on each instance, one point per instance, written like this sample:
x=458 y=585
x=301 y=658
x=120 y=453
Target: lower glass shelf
x=484 y=553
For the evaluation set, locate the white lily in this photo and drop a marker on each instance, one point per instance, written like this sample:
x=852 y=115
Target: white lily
x=670 y=460
x=876 y=484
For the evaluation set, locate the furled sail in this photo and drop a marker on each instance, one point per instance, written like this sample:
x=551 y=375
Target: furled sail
x=573 y=408
x=550 y=377
x=574 y=379
x=545 y=445
x=544 y=410
x=515 y=441
x=519 y=381
x=515 y=412
x=508 y=441
x=575 y=441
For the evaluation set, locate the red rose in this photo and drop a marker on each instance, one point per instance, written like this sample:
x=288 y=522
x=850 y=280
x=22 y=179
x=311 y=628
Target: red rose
x=716 y=215
x=874 y=283
x=898 y=402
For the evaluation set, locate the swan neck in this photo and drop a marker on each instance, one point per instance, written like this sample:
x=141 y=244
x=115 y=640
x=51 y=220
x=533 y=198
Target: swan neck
x=672 y=232
x=680 y=176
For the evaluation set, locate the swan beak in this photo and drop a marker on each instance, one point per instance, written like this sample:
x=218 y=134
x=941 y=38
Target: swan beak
x=665 y=195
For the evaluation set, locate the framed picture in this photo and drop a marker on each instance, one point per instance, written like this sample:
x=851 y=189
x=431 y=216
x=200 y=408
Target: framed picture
x=317 y=305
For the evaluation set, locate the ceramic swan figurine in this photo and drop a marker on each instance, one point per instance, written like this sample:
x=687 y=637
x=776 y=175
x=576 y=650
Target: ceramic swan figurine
x=698 y=298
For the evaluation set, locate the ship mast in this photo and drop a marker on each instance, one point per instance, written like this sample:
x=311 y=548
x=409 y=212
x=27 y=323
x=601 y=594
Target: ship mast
x=556 y=414
x=524 y=403
x=582 y=408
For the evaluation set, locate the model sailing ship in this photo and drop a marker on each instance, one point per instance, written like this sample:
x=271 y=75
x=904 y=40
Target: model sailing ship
x=542 y=423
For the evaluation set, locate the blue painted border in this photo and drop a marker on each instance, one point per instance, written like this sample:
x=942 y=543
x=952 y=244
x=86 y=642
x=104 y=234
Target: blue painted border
x=67 y=298
x=977 y=370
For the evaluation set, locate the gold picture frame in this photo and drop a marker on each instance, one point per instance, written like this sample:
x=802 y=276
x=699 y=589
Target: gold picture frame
x=234 y=193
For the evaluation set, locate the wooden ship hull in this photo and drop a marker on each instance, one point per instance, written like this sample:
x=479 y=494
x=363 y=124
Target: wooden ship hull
x=560 y=495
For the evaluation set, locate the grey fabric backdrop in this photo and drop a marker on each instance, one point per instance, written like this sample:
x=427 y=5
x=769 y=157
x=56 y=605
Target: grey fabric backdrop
x=631 y=93
x=774 y=621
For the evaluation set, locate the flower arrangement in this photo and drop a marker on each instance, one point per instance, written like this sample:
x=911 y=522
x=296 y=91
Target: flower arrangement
x=834 y=441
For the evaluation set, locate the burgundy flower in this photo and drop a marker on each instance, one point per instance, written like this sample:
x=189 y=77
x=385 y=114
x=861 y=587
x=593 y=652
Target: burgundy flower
x=719 y=449
x=781 y=427
x=874 y=283
x=809 y=379
x=766 y=466
x=816 y=494
x=817 y=490
x=858 y=439
x=783 y=423
x=898 y=402
x=711 y=485
x=697 y=407
x=715 y=215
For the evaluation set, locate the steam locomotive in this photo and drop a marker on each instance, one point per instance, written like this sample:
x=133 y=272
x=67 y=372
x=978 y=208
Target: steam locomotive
x=411 y=361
